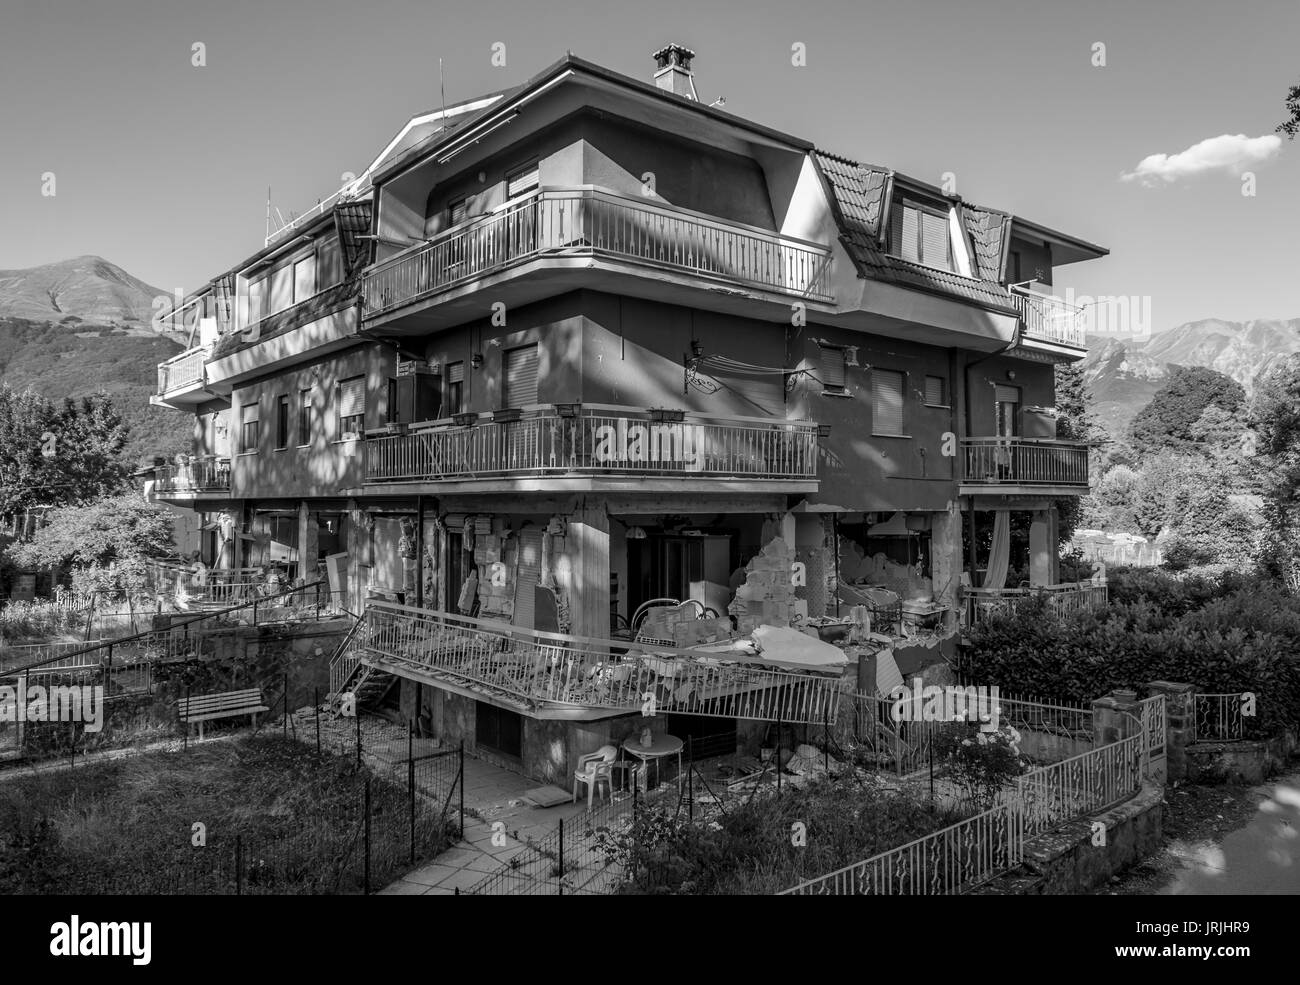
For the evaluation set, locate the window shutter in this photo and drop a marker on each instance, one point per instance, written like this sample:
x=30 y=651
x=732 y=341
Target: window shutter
x=934 y=390
x=281 y=289
x=908 y=249
x=522 y=181
x=521 y=376
x=833 y=368
x=304 y=278
x=456 y=373
x=1006 y=394
x=887 y=391
x=459 y=211
x=352 y=397
x=936 y=245
x=896 y=229
x=527 y=575
x=247 y=413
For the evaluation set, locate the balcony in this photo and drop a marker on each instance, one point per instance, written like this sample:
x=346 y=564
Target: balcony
x=181 y=379
x=983 y=604
x=204 y=476
x=1050 y=324
x=1032 y=466
x=583 y=223
x=552 y=675
x=601 y=441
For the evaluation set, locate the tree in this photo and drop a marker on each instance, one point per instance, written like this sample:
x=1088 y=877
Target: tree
x=1169 y=420
x=56 y=455
x=1274 y=419
x=1075 y=422
x=1291 y=125
x=107 y=542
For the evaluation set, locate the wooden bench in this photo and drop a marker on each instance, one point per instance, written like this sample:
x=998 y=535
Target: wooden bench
x=227 y=704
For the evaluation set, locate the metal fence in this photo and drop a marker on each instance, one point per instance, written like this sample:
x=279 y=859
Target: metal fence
x=1224 y=717
x=1024 y=462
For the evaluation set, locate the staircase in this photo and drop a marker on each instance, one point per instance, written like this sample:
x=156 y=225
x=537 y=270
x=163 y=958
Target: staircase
x=349 y=675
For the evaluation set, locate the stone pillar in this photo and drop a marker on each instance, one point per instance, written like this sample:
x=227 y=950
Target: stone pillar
x=1041 y=549
x=1115 y=716
x=588 y=545
x=1180 y=725
x=307 y=544
x=946 y=562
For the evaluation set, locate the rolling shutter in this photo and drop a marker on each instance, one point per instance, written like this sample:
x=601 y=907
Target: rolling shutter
x=936 y=247
x=528 y=571
x=521 y=182
x=832 y=368
x=352 y=398
x=887 y=394
x=934 y=391
x=459 y=211
x=522 y=366
x=907 y=244
x=456 y=373
x=1006 y=394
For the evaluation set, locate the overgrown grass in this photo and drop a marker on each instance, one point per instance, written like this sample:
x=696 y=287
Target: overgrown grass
x=292 y=821
x=770 y=842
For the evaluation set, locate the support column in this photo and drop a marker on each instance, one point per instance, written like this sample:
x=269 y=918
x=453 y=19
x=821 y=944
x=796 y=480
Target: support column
x=1054 y=542
x=307 y=543
x=811 y=548
x=1041 y=549
x=358 y=541
x=946 y=556
x=1180 y=725
x=589 y=548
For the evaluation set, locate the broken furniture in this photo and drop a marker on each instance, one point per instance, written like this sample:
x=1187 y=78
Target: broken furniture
x=226 y=704
x=592 y=770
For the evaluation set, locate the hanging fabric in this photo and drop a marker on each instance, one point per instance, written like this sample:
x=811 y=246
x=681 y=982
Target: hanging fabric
x=995 y=575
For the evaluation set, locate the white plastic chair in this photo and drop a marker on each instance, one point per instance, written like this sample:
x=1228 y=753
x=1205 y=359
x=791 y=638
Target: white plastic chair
x=594 y=768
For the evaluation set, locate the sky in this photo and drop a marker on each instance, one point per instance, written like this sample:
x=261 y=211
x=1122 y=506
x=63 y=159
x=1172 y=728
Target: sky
x=162 y=166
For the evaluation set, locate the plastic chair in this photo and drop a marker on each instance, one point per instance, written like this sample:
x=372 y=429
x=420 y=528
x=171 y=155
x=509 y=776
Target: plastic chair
x=594 y=768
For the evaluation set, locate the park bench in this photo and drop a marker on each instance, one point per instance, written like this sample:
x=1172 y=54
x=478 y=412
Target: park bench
x=227 y=704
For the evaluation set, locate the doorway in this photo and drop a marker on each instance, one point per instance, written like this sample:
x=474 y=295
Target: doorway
x=499 y=730
x=680 y=566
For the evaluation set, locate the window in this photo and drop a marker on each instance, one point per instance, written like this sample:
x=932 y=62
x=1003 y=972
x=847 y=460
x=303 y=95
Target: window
x=521 y=181
x=521 y=367
x=1015 y=267
x=936 y=391
x=459 y=211
x=281 y=291
x=304 y=278
x=832 y=369
x=1006 y=410
x=919 y=233
x=273 y=291
x=282 y=422
x=247 y=428
x=391 y=408
x=887 y=403
x=455 y=389
x=304 y=416
x=352 y=408
x=256 y=300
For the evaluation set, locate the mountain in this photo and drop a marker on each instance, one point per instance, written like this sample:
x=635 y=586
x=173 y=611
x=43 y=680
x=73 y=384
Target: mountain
x=1126 y=373
x=88 y=288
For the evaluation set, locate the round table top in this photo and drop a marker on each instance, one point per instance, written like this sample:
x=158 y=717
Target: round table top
x=663 y=745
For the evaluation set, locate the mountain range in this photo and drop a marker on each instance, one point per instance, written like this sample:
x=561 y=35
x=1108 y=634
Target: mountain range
x=1125 y=374
x=86 y=288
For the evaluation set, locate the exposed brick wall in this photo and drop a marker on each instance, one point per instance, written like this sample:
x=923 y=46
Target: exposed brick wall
x=766 y=597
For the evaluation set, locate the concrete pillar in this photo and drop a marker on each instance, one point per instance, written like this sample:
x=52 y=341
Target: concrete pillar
x=1041 y=549
x=1115 y=716
x=1054 y=543
x=308 y=543
x=1180 y=726
x=811 y=546
x=239 y=546
x=358 y=542
x=946 y=562
x=589 y=548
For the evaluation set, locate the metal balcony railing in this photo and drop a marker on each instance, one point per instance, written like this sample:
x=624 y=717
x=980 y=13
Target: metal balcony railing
x=1024 y=462
x=1049 y=319
x=182 y=370
x=984 y=603
x=208 y=474
x=576 y=222
x=538 y=668
x=619 y=441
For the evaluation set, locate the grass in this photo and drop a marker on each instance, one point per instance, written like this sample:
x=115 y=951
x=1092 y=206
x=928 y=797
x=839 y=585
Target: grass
x=294 y=823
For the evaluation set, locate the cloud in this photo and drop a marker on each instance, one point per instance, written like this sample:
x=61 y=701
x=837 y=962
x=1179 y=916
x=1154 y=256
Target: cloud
x=1233 y=154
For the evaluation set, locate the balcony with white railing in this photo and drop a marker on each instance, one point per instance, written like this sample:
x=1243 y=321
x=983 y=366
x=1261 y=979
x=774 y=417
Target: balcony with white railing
x=558 y=675
x=1035 y=465
x=207 y=475
x=598 y=441
x=182 y=373
x=1049 y=320
x=568 y=223
x=983 y=604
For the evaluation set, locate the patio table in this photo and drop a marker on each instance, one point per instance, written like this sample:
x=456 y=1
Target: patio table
x=663 y=745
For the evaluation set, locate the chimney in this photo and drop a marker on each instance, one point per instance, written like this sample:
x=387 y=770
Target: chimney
x=673 y=70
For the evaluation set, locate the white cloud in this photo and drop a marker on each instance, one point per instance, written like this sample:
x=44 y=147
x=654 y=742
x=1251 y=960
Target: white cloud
x=1233 y=154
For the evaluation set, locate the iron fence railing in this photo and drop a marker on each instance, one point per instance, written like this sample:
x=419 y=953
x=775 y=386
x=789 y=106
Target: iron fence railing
x=1085 y=784
x=183 y=369
x=1047 y=318
x=621 y=441
x=1024 y=462
x=584 y=221
x=537 y=668
x=982 y=604
x=1223 y=717
x=206 y=474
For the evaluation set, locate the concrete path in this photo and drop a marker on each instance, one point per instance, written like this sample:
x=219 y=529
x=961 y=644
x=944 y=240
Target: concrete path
x=1261 y=858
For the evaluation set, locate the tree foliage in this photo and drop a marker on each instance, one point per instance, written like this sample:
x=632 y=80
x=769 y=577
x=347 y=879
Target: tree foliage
x=1291 y=125
x=1170 y=420
x=58 y=454
x=1275 y=428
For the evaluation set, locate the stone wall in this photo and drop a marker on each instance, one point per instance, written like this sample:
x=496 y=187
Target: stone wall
x=766 y=597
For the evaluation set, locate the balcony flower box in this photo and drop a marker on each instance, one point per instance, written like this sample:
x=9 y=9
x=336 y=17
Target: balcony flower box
x=466 y=419
x=394 y=428
x=663 y=415
x=506 y=415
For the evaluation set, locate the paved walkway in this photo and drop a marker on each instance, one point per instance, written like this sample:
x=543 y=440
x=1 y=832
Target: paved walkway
x=1261 y=858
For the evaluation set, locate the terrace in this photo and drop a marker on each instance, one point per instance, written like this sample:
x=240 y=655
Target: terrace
x=204 y=476
x=1049 y=323
x=586 y=441
x=1036 y=466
